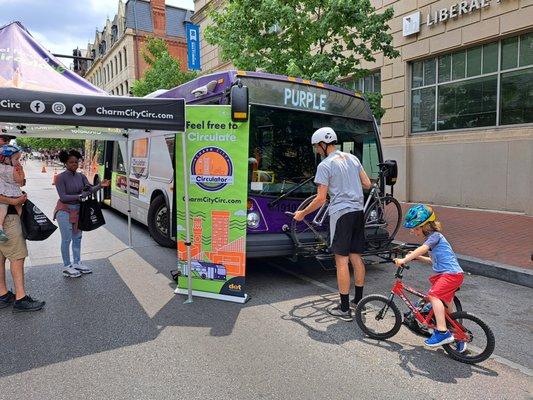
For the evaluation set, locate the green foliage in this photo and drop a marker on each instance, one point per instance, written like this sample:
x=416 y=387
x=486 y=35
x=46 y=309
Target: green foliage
x=374 y=100
x=164 y=71
x=323 y=40
x=50 y=144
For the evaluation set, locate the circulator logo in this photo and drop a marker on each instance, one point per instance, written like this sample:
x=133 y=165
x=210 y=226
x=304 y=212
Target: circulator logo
x=211 y=169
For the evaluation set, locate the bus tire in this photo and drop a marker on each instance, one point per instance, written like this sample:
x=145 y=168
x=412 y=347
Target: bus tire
x=158 y=223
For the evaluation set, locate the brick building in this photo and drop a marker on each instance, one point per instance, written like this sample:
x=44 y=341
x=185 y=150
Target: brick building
x=117 y=48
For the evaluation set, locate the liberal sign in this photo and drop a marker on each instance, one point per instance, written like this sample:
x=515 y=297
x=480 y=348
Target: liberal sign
x=36 y=107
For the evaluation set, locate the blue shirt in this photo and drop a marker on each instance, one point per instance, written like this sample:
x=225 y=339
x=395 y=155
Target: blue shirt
x=340 y=173
x=443 y=258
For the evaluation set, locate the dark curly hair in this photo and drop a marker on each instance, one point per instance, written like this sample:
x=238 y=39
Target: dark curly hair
x=65 y=155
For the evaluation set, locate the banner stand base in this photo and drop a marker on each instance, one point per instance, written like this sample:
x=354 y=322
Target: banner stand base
x=207 y=295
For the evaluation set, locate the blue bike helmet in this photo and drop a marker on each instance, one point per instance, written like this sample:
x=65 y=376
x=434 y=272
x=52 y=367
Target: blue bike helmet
x=418 y=215
x=8 y=150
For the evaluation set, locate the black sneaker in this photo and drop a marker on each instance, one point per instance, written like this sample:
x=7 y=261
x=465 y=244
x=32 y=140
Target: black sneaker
x=337 y=312
x=27 y=304
x=7 y=299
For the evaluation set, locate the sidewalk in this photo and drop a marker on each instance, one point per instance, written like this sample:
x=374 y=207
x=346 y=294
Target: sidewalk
x=496 y=244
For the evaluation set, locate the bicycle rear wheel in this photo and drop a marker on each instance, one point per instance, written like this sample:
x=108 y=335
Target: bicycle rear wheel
x=480 y=340
x=378 y=317
x=382 y=221
x=307 y=234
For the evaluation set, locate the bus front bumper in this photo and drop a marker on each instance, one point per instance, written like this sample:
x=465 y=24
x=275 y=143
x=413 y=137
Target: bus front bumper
x=259 y=245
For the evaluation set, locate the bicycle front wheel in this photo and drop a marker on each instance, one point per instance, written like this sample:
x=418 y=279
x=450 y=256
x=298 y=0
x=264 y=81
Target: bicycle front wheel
x=382 y=221
x=479 y=341
x=378 y=317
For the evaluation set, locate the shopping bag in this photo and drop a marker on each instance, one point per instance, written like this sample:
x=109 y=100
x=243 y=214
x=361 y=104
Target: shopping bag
x=35 y=225
x=91 y=216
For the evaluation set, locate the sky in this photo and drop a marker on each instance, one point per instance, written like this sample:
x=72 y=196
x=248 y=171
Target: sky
x=63 y=25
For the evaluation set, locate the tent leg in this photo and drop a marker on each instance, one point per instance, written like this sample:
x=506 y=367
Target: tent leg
x=187 y=218
x=128 y=173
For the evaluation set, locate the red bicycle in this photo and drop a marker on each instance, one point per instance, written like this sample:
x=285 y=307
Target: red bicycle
x=380 y=318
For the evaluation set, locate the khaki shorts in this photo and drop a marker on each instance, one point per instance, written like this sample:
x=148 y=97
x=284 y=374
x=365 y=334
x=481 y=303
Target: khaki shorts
x=15 y=248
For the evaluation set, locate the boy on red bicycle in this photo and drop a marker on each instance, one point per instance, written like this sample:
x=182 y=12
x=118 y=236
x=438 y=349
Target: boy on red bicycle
x=449 y=275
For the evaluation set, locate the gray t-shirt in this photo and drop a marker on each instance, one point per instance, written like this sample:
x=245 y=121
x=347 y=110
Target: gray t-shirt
x=340 y=173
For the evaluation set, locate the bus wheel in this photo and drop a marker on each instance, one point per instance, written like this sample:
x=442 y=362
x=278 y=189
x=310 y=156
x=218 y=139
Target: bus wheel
x=158 y=222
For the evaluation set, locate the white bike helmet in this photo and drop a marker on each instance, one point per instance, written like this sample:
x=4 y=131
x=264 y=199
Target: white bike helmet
x=325 y=134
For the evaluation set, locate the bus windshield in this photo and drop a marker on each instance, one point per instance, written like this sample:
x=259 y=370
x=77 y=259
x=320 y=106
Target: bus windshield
x=281 y=155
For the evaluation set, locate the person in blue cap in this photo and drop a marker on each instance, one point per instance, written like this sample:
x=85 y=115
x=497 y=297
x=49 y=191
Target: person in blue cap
x=449 y=275
x=11 y=180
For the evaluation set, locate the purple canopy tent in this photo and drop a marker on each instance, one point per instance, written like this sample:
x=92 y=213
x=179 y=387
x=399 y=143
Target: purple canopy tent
x=40 y=97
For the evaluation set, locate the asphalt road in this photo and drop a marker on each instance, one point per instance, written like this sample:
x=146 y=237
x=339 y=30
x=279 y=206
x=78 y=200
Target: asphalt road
x=122 y=333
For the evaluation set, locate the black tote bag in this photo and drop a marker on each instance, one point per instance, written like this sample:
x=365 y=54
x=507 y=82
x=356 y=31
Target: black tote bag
x=35 y=225
x=91 y=216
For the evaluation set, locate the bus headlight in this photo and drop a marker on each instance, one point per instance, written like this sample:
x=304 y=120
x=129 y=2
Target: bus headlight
x=253 y=220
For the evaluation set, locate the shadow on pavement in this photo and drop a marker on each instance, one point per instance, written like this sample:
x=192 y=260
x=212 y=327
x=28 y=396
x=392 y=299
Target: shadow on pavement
x=414 y=360
x=82 y=316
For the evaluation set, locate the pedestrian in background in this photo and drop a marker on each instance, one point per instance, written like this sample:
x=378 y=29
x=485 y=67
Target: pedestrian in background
x=72 y=187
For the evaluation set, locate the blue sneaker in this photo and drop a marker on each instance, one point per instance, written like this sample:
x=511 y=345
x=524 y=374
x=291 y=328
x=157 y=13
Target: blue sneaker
x=438 y=339
x=460 y=347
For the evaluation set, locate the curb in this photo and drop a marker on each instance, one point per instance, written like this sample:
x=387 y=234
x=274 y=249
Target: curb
x=491 y=269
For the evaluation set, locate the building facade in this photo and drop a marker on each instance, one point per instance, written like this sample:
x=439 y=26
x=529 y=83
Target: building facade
x=458 y=100
x=117 y=49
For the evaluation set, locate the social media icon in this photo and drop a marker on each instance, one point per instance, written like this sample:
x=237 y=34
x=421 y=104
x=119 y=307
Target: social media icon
x=58 y=108
x=37 y=106
x=79 y=109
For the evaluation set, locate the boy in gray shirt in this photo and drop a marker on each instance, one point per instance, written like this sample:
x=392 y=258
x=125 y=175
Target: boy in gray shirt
x=342 y=175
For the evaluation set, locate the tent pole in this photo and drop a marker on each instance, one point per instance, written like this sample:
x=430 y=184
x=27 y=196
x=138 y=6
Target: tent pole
x=187 y=217
x=128 y=172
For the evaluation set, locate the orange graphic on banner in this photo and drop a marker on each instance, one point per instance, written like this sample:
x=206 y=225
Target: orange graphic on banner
x=211 y=164
x=229 y=254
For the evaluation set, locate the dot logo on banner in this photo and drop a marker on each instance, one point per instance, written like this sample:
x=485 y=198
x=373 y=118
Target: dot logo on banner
x=58 y=108
x=79 y=109
x=37 y=106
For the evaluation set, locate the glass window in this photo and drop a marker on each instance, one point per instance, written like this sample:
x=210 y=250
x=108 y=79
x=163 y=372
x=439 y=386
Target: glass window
x=280 y=156
x=377 y=82
x=369 y=84
x=526 y=50
x=473 y=62
x=458 y=65
x=423 y=110
x=467 y=104
x=471 y=100
x=418 y=74
x=510 y=53
x=429 y=72
x=119 y=161
x=445 y=63
x=490 y=58
x=516 y=97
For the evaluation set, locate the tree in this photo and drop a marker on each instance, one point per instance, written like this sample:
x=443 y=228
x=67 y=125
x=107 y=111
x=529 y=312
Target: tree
x=164 y=72
x=322 y=40
x=50 y=144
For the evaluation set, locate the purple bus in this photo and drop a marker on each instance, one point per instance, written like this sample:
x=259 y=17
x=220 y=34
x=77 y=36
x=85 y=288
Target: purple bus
x=284 y=112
